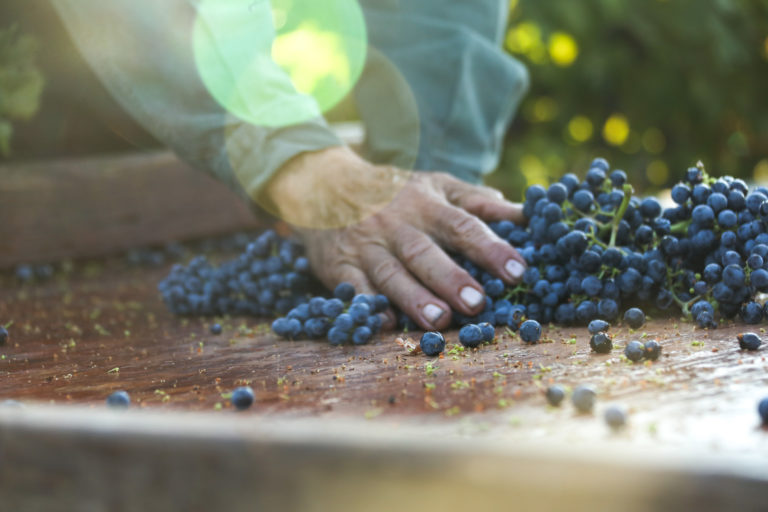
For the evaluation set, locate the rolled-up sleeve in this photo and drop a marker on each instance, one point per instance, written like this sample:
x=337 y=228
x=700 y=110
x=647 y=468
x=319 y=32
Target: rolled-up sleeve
x=466 y=87
x=143 y=52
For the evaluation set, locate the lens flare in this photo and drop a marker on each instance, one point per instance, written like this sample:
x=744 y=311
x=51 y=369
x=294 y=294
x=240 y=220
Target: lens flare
x=282 y=62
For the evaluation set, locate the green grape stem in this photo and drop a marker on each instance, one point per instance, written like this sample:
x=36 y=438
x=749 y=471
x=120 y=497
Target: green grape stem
x=628 y=191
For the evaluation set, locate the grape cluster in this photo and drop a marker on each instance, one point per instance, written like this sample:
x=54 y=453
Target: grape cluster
x=270 y=277
x=592 y=248
x=343 y=318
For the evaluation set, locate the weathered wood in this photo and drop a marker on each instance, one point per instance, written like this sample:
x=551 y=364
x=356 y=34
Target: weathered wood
x=103 y=205
x=102 y=328
x=64 y=458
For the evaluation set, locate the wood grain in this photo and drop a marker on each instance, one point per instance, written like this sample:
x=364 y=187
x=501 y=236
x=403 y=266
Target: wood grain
x=356 y=428
x=53 y=210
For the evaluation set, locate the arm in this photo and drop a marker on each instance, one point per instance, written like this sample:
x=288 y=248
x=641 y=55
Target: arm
x=378 y=227
x=143 y=52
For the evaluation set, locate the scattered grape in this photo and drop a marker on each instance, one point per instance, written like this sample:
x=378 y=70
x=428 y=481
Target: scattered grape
x=242 y=398
x=749 y=341
x=555 y=395
x=583 y=398
x=601 y=342
x=432 y=343
x=530 y=331
x=615 y=416
x=634 y=317
x=119 y=400
x=634 y=351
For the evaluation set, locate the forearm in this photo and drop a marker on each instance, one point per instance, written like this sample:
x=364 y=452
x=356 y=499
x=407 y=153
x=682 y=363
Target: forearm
x=142 y=52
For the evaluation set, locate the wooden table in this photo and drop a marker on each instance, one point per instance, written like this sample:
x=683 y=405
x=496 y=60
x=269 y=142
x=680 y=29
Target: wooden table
x=357 y=428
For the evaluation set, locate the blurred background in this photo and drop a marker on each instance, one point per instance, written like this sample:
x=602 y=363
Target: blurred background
x=652 y=85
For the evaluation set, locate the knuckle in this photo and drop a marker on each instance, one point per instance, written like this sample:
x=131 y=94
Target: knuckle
x=464 y=228
x=385 y=271
x=412 y=250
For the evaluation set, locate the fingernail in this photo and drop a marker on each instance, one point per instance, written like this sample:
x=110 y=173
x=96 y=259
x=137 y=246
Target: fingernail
x=432 y=313
x=515 y=269
x=471 y=297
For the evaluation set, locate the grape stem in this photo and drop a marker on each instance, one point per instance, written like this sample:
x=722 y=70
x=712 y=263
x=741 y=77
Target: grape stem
x=514 y=291
x=628 y=190
x=680 y=227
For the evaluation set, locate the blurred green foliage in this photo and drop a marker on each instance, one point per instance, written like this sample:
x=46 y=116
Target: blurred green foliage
x=21 y=82
x=652 y=85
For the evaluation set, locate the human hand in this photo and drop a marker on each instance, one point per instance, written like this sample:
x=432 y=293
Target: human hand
x=385 y=230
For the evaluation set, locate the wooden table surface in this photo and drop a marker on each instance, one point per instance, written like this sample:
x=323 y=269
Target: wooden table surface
x=102 y=327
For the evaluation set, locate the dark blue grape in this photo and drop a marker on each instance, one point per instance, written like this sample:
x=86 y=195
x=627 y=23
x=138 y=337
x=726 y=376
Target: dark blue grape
x=530 y=331
x=242 y=398
x=119 y=400
x=470 y=335
x=634 y=351
x=555 y=395
x=432 y=343
x=749 y=341
x=601 y=343
x=344 y=292
x=634 y=317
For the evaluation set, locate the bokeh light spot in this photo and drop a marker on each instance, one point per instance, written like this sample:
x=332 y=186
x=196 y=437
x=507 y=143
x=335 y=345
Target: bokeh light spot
x=657 y=172
x=654 y=141
x=563 y=49
x=580 y=128
x=524 y=38
x=534 y=170
x=616 y=130
x=329 y=62
x=279 y=62
x=761 y=171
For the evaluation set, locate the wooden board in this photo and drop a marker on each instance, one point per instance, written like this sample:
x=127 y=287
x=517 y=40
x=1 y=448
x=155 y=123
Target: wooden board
x=96 y=206
x=79 y=459
x=102 y=327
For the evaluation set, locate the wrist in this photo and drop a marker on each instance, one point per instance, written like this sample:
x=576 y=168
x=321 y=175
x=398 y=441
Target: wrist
x=332 y=187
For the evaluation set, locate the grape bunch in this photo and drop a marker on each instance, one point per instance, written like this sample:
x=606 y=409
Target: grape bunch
x=593 y=248
x=345 y=317
x=270 y=277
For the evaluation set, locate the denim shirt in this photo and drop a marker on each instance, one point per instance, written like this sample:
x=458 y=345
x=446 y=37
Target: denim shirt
x=437 y=91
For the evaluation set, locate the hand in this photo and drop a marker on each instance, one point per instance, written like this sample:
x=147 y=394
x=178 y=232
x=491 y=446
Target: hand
x=383 y=230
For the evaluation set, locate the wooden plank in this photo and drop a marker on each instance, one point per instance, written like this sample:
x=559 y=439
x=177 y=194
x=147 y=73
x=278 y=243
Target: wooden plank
x=64 y=458
x=356 y=428
x=53 y=210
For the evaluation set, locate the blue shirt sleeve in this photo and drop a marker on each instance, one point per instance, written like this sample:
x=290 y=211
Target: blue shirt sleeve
x=437 y=92
x=141 y=51
x=452 y=69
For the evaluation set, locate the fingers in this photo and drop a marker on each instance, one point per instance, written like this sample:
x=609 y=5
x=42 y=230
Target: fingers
x=484 y=202
x=437 y=271
x=389 y=275
x=491 y=209
x=456 y=228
